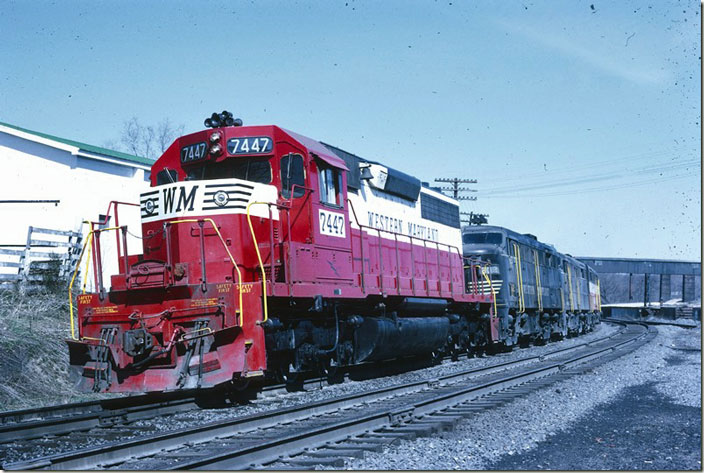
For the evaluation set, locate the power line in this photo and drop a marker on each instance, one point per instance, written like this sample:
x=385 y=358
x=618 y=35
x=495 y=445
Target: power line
x=593 y=189
x=612 y=163
x=672 y=166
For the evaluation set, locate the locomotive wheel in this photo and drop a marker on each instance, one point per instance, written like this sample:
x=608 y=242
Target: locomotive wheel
x=335 y=375
x=294 y=380
x=524 y=341
x=436 y=357
x=333 y=372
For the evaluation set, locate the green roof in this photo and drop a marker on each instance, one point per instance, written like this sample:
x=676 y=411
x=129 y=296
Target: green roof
x=85 y=147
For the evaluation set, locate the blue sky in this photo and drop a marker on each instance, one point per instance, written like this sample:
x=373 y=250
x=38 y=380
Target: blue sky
x=582 y=124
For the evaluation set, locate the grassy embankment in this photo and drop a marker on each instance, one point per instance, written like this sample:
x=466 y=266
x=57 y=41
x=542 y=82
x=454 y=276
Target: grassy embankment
x=33 y=354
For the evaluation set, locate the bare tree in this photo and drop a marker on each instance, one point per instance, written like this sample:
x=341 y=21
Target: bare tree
x=147 y=141
x=166 y=132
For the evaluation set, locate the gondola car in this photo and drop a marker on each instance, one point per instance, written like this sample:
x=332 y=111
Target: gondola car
x=540 y=292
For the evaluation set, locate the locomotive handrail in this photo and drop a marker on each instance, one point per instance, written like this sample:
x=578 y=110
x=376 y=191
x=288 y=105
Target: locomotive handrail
x=538 y=287
x=232 y=259
x=569 y=281
x=259 y=257
x=598 y=295
x=491 y=288
x=75 y=272
x=111 y=205
x=361 y=249
x=475 y=264
x=85 y=278
x=519 y=277
x=411 y=238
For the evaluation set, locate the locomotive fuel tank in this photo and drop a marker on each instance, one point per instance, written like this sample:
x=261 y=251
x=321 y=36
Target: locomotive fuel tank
x=380 y=338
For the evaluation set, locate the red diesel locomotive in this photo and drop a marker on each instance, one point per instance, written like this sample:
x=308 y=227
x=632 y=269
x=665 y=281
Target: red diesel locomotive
x=269 y=254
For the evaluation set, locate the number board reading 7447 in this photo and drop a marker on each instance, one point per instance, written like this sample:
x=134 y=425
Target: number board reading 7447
x=331 y=223
x=249 y=145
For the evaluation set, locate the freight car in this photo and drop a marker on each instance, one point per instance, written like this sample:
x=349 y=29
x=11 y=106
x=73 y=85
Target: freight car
x=540 y=293
x=267 y=254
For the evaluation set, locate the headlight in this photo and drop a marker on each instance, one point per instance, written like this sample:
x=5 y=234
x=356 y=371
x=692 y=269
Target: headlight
x=215 y=137
x=216 y=149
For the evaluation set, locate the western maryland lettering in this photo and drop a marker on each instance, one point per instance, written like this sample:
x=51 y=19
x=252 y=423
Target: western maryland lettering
x=422 y=231
x=382 y=222
x=397 y=225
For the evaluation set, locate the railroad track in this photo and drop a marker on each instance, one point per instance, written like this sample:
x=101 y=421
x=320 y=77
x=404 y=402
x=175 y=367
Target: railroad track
x=27 y=424
x=344 y=426
x=58 y=420
x=652 y=322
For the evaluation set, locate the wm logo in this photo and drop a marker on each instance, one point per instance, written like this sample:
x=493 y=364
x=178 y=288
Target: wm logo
x=185 y=202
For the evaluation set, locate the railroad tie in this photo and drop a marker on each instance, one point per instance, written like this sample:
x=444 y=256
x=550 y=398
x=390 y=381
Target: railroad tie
x=180 y=453
x=361 y=444
x=419 y=430
x=391 y=435
x=452 y=416
x=443 y=423
x=310 y=462
x=465 y=410
x=485 y=404
x=336 y=452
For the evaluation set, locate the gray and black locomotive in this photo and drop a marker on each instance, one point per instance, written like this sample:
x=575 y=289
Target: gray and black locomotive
x=541 y=294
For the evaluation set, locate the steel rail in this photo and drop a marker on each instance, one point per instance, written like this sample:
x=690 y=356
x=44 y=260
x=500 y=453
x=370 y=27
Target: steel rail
x=119 y=452
x=652 y=322
x=86 y=416
x=365 y=422
x=60 y=419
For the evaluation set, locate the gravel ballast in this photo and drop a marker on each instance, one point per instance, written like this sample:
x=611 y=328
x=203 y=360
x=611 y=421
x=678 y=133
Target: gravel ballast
x=662 y=377
x=17 y=452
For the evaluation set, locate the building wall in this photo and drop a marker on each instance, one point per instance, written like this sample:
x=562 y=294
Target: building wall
x=83 y=186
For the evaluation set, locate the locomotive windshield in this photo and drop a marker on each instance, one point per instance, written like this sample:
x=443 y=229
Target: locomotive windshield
x=487 y=238
x=249 y=169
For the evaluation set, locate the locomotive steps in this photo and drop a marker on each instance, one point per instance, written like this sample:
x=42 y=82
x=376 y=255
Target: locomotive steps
x=342 y=426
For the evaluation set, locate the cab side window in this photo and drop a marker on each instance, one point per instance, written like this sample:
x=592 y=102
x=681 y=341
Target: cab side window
x=166 y=176
x=330 y=181
x=292 y=173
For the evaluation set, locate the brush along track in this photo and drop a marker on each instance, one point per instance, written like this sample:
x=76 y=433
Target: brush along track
x=262 y=438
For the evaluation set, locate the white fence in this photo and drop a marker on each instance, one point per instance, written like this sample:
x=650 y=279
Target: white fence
x=36 y=266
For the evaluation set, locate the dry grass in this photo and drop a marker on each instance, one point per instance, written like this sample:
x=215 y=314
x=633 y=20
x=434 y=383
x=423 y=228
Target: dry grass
x=33 y=354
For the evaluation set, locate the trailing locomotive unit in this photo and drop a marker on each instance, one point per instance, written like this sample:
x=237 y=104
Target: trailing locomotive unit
x=266 y=253
x=541 y=293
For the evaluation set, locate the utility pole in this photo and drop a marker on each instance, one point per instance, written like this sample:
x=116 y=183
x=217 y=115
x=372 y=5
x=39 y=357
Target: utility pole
x=456 y=189
x=475 y=219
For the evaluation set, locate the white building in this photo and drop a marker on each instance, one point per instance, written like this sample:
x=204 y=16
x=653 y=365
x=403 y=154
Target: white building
x=55 y=183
